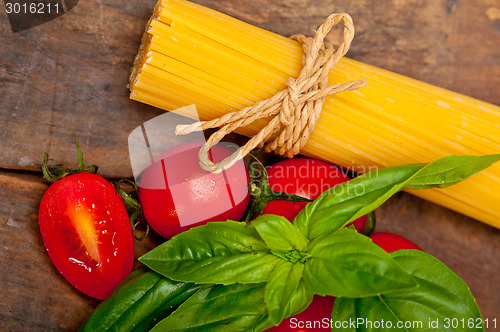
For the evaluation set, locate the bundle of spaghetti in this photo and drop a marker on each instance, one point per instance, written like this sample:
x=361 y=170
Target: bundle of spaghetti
x=194 y=55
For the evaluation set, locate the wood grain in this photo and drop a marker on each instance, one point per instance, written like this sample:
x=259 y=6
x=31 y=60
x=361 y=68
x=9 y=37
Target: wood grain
x=67 y=77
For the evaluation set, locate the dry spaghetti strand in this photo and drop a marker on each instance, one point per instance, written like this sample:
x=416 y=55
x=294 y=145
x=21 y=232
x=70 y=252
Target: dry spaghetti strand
x=294 y=110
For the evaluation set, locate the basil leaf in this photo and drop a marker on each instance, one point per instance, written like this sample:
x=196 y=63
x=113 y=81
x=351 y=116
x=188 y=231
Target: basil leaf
x=216 y=253
x=130 y=291
x=348 y=201
x=344 y=315
x=130 y=306
x=279 y=233
x=348 y=264
x=262 y=325
x=282 y=284
x=219 y=308
x=156 y=304
x=441 y=298
x=299 y=302
x=450 y=170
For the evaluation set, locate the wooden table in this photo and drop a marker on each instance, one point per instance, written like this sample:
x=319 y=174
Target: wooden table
x=70 y=75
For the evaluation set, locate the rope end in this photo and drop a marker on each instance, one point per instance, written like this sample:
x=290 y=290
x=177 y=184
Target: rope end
x=179 y=129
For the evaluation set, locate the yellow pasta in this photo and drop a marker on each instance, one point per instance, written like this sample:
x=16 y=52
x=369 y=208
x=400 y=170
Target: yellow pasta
x=194 y=55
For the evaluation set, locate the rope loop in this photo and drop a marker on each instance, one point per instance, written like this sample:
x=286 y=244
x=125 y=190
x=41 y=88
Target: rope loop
x=294 y=110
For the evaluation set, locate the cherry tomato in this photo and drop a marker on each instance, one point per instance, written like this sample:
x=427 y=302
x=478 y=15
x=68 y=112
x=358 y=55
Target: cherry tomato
x=87 y=234
x=177 y=194
x=315 y=318
x=286 y=209
x=391 y=242
x=304 y=177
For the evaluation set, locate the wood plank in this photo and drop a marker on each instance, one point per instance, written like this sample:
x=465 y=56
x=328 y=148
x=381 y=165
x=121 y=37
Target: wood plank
x=69 y=75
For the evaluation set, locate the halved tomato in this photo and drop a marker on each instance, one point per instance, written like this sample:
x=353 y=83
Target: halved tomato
x=87 y=233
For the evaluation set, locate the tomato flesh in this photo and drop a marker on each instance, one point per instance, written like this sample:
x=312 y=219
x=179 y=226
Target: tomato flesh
x=304 y=177
x=177 y=194
x=87 y=234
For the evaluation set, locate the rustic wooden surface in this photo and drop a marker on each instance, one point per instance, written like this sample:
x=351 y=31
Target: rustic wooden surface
x=69 y=76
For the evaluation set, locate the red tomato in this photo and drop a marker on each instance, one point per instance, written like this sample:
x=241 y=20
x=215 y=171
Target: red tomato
x=304 y=177
x=176 y=194
x=87 y=234
x=286 y=209
x=315 y=318
x=391 y=242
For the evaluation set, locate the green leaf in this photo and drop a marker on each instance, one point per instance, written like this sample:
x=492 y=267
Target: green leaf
x=130 y=291
x=282 y=285
x=140 y=301
x=156 y=304
x=348 y=201
x=218 y=252
x=299 y=301
x=279 y=233
x=450 y=170
x=344 y=314
x=219 y=308
x=348 y=264
x=262 y=325
x=441 y=298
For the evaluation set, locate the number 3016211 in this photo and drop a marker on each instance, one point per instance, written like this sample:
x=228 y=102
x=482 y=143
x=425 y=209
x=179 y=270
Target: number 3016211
x=31 y=8
x=455 y=323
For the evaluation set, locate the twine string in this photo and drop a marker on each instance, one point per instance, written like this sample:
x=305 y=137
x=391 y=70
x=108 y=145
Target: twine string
x=294 y=110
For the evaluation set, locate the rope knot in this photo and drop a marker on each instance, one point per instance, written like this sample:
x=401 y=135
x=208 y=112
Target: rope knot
x=295 y=110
